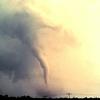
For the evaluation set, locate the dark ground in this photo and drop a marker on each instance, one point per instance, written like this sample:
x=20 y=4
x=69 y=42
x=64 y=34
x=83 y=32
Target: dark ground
x=6 y=97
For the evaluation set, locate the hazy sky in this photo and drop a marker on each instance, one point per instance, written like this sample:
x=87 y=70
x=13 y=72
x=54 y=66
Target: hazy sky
x=52 y=40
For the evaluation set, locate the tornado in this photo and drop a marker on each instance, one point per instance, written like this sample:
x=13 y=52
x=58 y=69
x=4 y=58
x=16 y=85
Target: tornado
x=42 y=64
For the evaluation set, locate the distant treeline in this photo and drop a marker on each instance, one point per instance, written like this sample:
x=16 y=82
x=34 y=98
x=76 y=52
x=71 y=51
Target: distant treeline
x=6 y=97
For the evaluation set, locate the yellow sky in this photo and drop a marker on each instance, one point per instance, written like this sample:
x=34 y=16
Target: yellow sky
x=72 y=51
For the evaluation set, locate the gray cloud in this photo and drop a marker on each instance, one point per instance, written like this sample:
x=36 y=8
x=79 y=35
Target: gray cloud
x=18 y=54
x=16 y=40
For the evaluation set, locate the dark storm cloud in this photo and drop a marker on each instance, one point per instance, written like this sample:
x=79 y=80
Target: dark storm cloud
x=17 y=36
x=12 y=56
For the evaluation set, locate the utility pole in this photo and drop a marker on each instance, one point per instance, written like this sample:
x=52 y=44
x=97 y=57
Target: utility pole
x=69 y=94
